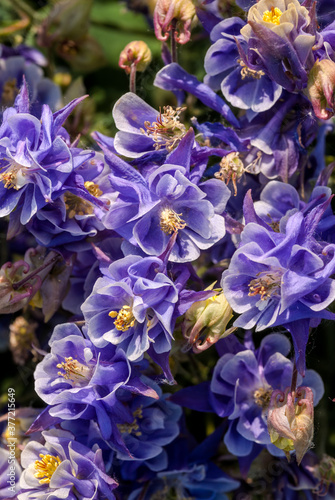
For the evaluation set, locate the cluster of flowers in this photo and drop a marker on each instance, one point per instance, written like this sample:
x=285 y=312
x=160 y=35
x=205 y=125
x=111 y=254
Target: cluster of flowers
x=119 y=237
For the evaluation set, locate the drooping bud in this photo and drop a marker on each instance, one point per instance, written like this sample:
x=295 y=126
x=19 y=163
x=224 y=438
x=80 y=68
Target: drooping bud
x=206 y=322
x=174 y=14
x=13 y=294
x=291 y=420
x=136 y=53
x=321 y=88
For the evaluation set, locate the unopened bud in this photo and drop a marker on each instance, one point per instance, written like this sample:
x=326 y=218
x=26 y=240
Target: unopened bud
x=291 y=420
x=22 y=338
x=136 y=53
x=174 y=13
x=321 y=88
x=207 y=319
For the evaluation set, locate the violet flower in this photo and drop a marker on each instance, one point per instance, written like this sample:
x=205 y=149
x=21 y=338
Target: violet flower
x=64 y=468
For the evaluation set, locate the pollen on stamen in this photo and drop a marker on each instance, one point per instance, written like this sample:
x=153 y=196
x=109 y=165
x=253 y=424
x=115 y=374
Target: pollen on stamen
x=93 y=189
x=248 y=72
x=124 y=318
x=262 y=397
x=74 y=370
x=46 y=467
x=267 y=285
x=171 y=222
x=167 y=131
x=134 y=427
x=272 y=16
x=77 y=206
x=231 y=169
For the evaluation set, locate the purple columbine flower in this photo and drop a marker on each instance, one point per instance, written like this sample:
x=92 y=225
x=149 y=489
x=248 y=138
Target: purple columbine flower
x=35 y=161
x=78 y=381
x=133 y=306
x=282 y=278
x=169 y=200
x=64 y=468
x=243 y=87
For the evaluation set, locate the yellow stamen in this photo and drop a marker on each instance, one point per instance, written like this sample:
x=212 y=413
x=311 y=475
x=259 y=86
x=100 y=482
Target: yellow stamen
x=248 y=72
x=124 y=318
x=73 y=370
x=273 y=16
x=46 y=467
x=170 y=221
x=167 y=131
x=76 y=205
x=93 y=189
x=132 y=428
x=266 y=285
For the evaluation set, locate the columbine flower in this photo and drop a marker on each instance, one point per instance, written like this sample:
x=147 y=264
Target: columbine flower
x=282 y=278
x=34 y=159
x=77 y=381
x=133 y=306
x=291 y=420
x=280 y=41
x=10 y=472
x=169 y=202
x=242 y=86
x=62 y=467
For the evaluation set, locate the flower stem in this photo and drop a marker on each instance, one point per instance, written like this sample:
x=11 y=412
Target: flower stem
x=132 y=79
x=174 y=54
x=20 y=283
x=294 y=377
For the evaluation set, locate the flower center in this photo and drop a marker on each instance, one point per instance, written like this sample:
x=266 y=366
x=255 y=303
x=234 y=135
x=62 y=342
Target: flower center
x=74 y=371
x=93 y=189
x=272 y=16
x=248 y=72
x=167 y=131
x=76 y=205
x=266 y=285
x=14 y=176
x=132 y=428
x=231 y=169
x=262 y=397
x=170 y=221
x=46 y=467
x=124 y=318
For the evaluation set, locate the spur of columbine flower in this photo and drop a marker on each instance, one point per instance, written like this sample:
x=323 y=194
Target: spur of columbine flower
x=282 y=278
x=77 y=381
x=63 y=468
x=35 y=160
x=169 y=201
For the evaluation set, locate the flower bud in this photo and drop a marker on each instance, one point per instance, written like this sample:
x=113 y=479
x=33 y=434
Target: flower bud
x=321 y=88
x=174 y=13
x=135 y=53
x=208 y=318
x=21 y=340
x=14 y=296
x=291 y=420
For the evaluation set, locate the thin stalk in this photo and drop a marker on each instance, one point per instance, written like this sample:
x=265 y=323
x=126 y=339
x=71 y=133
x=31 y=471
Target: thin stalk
x=174 y=53
x=132 y=78
x=294 y=377
x=18 y=284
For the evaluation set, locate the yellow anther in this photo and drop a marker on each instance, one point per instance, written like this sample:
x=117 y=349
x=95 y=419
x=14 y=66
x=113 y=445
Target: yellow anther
x=272 y=16
x=262 y=397
x=46 y=467
x=124 y=318
x=167 y=131
x=93 y=189
x=134 y=427
x=76 y=205
x=170 y=221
